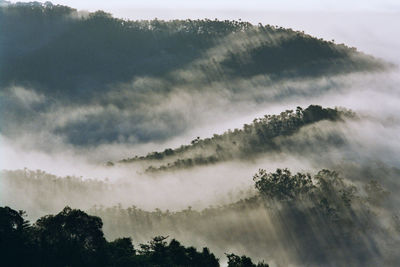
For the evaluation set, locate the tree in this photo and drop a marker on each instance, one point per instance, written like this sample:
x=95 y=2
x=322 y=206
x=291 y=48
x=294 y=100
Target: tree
x=74 y=238
x=282 y=185
x=243 y=261
x=14 y=239
x=71 y=237
x=121 y=252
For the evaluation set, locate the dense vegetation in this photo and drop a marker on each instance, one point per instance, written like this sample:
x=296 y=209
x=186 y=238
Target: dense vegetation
x=77 y=56
x=319 y=220
x=104 y=80
x=266 y=136
x=74 y=238
x=322 y=219
x=353 y=221
x=255 y=138
x=73 y=81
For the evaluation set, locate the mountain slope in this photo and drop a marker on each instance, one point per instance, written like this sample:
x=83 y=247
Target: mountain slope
x=89 y=79
x=244 y=144
x=74 y=55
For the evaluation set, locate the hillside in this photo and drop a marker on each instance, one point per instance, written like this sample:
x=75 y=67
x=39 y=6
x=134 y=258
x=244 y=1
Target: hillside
x=104 y=80
x=285 y=208
x=76 y=55
x=319 y=220
x=241 y=144
x=119 y=137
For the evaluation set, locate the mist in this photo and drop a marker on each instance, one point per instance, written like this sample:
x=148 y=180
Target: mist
x=67 y=149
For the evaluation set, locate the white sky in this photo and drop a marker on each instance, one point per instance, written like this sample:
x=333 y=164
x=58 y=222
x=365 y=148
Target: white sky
x=283 y=5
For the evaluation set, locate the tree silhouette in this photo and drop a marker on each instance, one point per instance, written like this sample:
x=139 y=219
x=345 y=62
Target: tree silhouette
x=74 y=238
x=243 y=261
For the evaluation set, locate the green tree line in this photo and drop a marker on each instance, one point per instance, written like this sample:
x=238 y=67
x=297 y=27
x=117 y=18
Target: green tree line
x=77 y=56
x=318 y=220
x=74 y=238
x=246 y=143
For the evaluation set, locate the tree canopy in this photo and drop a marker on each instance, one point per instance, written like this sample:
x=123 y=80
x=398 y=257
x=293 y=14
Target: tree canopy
x=246 y=143
x=74 y=238
x=77 y=55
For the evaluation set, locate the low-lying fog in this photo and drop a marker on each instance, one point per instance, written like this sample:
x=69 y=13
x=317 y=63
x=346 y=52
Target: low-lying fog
x=372 y=137
x=371 y=140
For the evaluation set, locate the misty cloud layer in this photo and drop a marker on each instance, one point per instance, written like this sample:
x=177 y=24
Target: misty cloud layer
x=60 y=127
x=150 y=93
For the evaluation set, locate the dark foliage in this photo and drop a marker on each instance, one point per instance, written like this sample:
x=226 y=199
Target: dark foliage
x=243 y=261
x=117 y=70
x=319 y=220
x=74 y=238
x=70 y=238
x=246 y=143
x=78 y=56
x=282 y=185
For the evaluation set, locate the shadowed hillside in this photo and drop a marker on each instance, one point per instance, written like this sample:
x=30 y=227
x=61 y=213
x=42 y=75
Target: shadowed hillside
x=292 y=218
x=114 y=80
x=78 y=55
x=138 y=126
x=244 y=144
x=296 y=219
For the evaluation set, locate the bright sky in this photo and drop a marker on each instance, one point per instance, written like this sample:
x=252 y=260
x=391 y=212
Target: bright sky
x=256 y=5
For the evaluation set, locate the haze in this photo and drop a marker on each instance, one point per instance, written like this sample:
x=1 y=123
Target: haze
x=161 y=127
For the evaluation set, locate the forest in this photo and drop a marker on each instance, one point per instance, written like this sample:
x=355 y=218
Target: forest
x=286 y=210
x=74 y=238
x=121 y=74
x=195 y=141
x=251 y=141
x=151 y=48
x=353 y=220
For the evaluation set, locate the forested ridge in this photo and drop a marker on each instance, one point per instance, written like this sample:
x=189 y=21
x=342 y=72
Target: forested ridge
x=120 y=75
x=75 y=55
x=352 y=214
x=246 y=143
x=262 y=137
x=93 y=111
x=286 y=212
x=353 y=221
